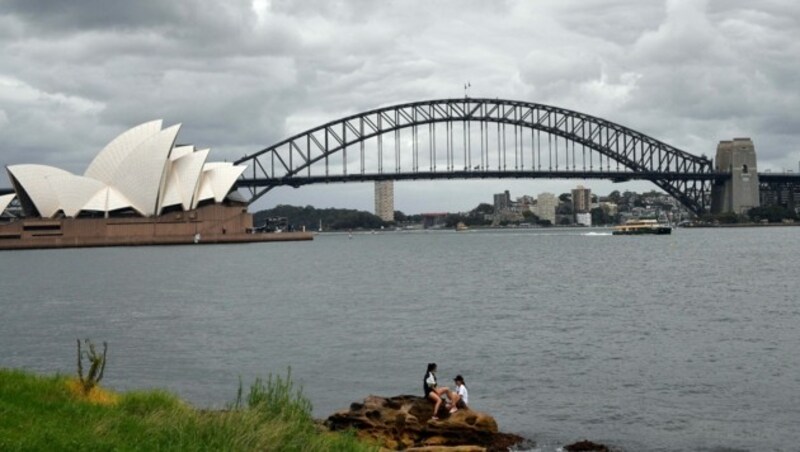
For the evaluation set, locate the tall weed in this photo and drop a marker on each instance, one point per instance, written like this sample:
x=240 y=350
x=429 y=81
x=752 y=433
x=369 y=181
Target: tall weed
x=279 y=399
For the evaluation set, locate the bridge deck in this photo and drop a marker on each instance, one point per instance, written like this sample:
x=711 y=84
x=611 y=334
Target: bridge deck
x=617 y=176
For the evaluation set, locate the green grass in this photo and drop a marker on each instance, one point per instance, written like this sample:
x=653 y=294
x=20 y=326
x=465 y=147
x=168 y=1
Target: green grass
x=41 y=413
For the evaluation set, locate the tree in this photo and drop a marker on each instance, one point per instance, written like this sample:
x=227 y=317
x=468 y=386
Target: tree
x=564 y=208
x=310 y=217
x=773 y=214
x=452 y=219
x=565 y=197
x=484 y=208
x=600 y=217
x=721 y=218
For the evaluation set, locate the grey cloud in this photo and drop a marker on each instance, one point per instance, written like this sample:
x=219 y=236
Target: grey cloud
x=47 y=17
x=621 y=22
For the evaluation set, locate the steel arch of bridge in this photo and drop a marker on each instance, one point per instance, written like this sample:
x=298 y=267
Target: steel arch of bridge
x=308 y=157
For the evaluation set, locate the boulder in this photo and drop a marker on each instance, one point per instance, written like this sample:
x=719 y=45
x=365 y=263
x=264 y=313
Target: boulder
x=586 y=446
x=404 y=422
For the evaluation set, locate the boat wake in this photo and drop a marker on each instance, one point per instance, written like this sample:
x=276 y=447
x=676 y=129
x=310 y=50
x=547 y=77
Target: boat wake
x=597 y=233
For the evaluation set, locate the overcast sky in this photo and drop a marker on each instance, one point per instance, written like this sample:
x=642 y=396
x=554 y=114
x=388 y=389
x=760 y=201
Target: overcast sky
x=241 y=75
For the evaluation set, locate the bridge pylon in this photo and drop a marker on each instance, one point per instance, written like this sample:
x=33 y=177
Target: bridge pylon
x=740 y=192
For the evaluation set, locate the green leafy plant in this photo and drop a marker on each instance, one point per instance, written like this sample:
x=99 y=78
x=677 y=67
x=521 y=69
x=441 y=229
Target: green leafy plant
x=97 y=364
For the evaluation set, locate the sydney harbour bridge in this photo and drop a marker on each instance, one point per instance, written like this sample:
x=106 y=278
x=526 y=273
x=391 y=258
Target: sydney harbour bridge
x=474 y=138
x=480 y=138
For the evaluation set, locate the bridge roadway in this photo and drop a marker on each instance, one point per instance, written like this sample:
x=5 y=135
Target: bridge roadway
x=616 y=176
x=789 y=178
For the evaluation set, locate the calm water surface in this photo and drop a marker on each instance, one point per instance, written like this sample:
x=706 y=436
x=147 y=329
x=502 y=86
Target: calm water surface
x=686 y=342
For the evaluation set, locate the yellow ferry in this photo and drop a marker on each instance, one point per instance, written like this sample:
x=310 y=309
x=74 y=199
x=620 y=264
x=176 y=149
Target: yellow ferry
x=637 y=227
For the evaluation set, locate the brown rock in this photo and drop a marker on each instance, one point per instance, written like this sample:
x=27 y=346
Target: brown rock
x=404 y=422
x=447 y=449
x=586 y=446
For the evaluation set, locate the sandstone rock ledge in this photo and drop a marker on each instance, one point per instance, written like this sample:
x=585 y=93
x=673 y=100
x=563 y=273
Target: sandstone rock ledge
x=404 y=423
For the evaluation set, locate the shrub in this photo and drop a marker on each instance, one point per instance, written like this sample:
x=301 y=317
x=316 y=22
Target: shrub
x=97 y=364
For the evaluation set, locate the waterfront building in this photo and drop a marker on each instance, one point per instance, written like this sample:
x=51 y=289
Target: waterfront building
x=525 y=203
x=609 y=208
x=545 y=207
x=139 y=173
x=434 y=220
x=502 y=201
x=785 y=196
x=141 y=189
x=583 y=219
x=581 y=199
x=384 y=200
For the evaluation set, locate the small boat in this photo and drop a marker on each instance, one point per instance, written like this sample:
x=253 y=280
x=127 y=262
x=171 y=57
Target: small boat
x=461 y=226
x=637 y=227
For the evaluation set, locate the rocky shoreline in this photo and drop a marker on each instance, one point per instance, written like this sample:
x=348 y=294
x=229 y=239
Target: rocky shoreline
x=404 y=422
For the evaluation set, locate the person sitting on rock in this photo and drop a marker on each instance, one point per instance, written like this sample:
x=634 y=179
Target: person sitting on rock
x=432 y=391
x=460 y=397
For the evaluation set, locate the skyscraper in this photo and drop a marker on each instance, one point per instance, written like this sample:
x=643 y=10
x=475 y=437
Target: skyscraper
x=384 y=200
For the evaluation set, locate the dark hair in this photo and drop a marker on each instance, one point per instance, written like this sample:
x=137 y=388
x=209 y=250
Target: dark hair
x=460 y=378
x=431 y=367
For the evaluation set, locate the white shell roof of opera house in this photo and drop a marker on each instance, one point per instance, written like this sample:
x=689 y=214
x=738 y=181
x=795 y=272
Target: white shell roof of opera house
x=141 y=169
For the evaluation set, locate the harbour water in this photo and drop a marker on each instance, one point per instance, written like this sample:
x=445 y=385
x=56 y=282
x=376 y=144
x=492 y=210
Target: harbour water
x=654 y=343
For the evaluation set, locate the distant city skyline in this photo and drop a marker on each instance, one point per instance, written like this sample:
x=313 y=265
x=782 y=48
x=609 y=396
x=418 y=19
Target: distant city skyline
x=439 y=196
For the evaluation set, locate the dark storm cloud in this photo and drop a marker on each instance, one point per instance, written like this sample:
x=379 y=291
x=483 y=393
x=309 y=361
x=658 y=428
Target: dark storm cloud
x=241 y=75
x=45 y=16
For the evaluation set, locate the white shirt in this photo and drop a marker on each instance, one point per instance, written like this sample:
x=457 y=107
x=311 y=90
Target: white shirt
x=462 y=391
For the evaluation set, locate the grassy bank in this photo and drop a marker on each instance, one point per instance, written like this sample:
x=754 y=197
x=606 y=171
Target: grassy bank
x=52 y=413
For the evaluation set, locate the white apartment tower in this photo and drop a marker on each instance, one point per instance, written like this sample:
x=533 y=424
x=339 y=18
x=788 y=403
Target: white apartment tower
x=384 y=200
x=545 y=208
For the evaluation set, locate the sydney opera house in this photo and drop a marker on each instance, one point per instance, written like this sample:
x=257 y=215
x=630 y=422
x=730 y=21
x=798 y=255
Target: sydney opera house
x=141 y=189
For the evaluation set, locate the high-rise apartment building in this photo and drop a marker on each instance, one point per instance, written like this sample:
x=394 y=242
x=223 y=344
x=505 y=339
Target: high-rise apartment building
x=545 y=208
x=384 y=200
x=581 y=199
x=502 y=201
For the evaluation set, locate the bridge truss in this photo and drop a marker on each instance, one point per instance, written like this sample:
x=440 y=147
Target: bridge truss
x=477 y=138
